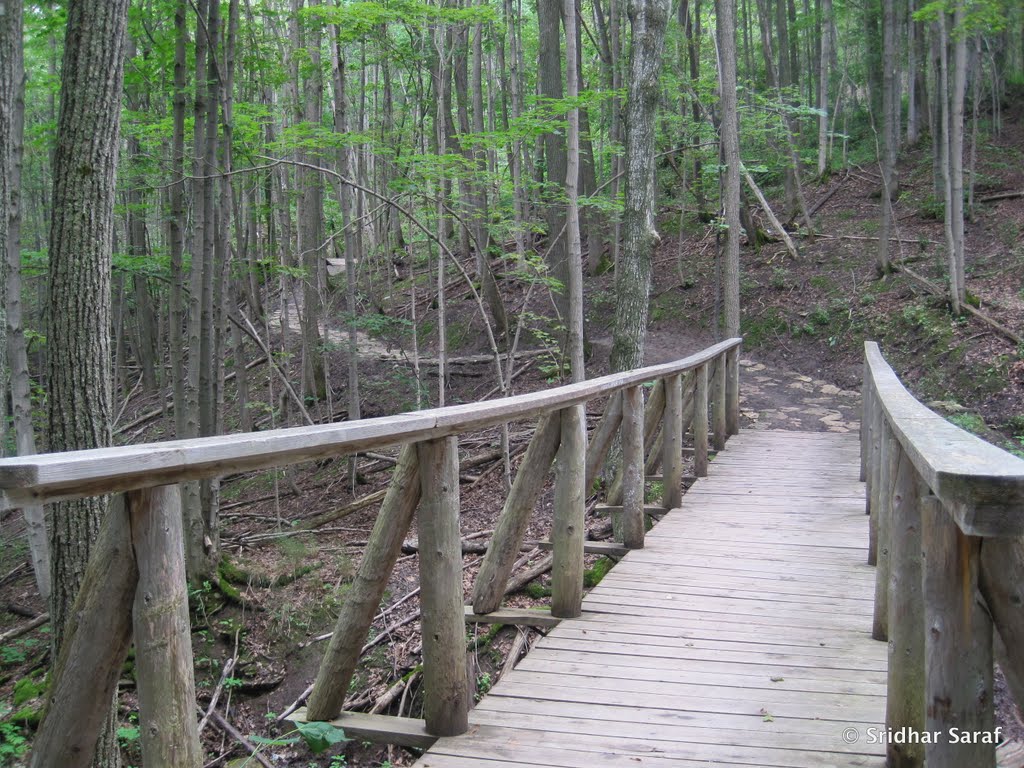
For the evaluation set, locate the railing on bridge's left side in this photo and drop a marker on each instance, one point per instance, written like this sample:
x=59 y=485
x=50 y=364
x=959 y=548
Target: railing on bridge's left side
x=135 y=584
x=947 y=513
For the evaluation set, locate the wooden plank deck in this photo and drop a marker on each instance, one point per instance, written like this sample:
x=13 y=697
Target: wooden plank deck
x=739 y=637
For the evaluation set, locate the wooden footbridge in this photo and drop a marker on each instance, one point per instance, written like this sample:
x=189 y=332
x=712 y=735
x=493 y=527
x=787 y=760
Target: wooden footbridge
x=743 y=630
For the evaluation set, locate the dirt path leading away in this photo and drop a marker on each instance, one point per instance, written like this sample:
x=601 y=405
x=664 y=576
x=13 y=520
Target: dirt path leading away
x=774 y=399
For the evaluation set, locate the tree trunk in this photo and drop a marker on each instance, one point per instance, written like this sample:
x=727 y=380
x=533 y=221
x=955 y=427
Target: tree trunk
x=574 y=320
x=889 y=134
x=648 y=19
x=176 y=224
x=825 y=62
x=725 y=15
x=81 y=245
x=958 y=292
x=309 y=206
x=548 y=18
x=12 y=124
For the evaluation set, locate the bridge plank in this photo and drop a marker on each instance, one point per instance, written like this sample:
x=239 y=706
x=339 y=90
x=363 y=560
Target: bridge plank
x=740 y=636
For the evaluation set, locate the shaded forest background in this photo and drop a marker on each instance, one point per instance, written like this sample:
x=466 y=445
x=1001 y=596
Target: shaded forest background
x=308 y=211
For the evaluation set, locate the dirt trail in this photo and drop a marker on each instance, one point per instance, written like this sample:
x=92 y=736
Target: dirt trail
x=369 y=347
x=770 y=397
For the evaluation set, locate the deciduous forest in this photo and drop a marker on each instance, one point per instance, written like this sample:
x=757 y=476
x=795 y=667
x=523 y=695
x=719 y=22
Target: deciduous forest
x=233 y=216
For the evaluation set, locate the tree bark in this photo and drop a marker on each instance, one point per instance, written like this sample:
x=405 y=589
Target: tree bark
x=574 y=266
x=825 y=62
x=648 y=20
x=81 y=246
x=548 y=20
x=725 y=15
x=889 y=134
x=12 y=123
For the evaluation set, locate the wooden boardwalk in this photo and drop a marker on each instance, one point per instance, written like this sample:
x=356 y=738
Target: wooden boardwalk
x=740 y=636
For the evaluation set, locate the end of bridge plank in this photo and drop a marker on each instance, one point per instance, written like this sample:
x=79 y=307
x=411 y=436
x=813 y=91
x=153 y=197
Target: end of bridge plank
x=661 y=478
x=525 y=617
x=380 y=729
x=607 y=548
x=651 y=510
x=1010 y=754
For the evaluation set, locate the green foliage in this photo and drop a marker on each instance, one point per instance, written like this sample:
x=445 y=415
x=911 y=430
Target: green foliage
x=760 y=329
x=27 y=689
x=319 y=737
x=593 y=575
x=14 y=744
x=970 y=422
x=18 y=650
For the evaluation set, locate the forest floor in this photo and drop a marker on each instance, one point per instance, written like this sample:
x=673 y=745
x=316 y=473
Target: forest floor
x=805 y=321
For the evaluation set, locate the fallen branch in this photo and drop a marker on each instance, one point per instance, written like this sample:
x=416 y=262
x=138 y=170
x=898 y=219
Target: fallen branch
x=870 y=239
x=395 y=691
x=768 y=212
x=1001 y=196
x=337 y=514
x=251 y=332
x=10 y=634
x=518 y=645
x=169 y=405
x=234 y=733
x=937 y=291
x=817 y=206
x=229 y=667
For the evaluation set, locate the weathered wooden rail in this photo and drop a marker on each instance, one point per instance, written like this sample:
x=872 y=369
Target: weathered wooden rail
x=135 y=582
x=947 y=513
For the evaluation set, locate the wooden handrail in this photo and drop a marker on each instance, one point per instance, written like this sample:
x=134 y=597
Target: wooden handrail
x=426 y=476
x=944 y=505
x=54 y=476
x=981 y=485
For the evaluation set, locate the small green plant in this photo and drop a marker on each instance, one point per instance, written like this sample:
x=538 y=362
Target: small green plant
x=970 y=422
x=127 y=735
x=655 y=490
x=592 y=576
x=13 y=744
x=319 y=737
x=483 y=684
x=17 y=651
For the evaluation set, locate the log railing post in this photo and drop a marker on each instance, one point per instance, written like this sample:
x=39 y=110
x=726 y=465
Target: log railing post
x=501 y=555
x=362 y=600
x=1002 y=586
x=905 y=704
x=95 y=646
x=672 y=443
x=886 y=477
x=446 y=698
x=700 y=422
x=718 y=425
x=633 y=485
x=732 y=391
x=163 y=635
x=958 y=692
x=603 y=438
x=570 y=507
x=865 y=417
x=874 y=490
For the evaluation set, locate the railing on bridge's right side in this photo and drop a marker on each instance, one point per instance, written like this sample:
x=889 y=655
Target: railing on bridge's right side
x=135 y=580
x=947 y=511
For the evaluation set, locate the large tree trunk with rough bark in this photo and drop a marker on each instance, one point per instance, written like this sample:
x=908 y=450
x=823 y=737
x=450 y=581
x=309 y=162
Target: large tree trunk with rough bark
x=81 y=245
x=648 y=19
